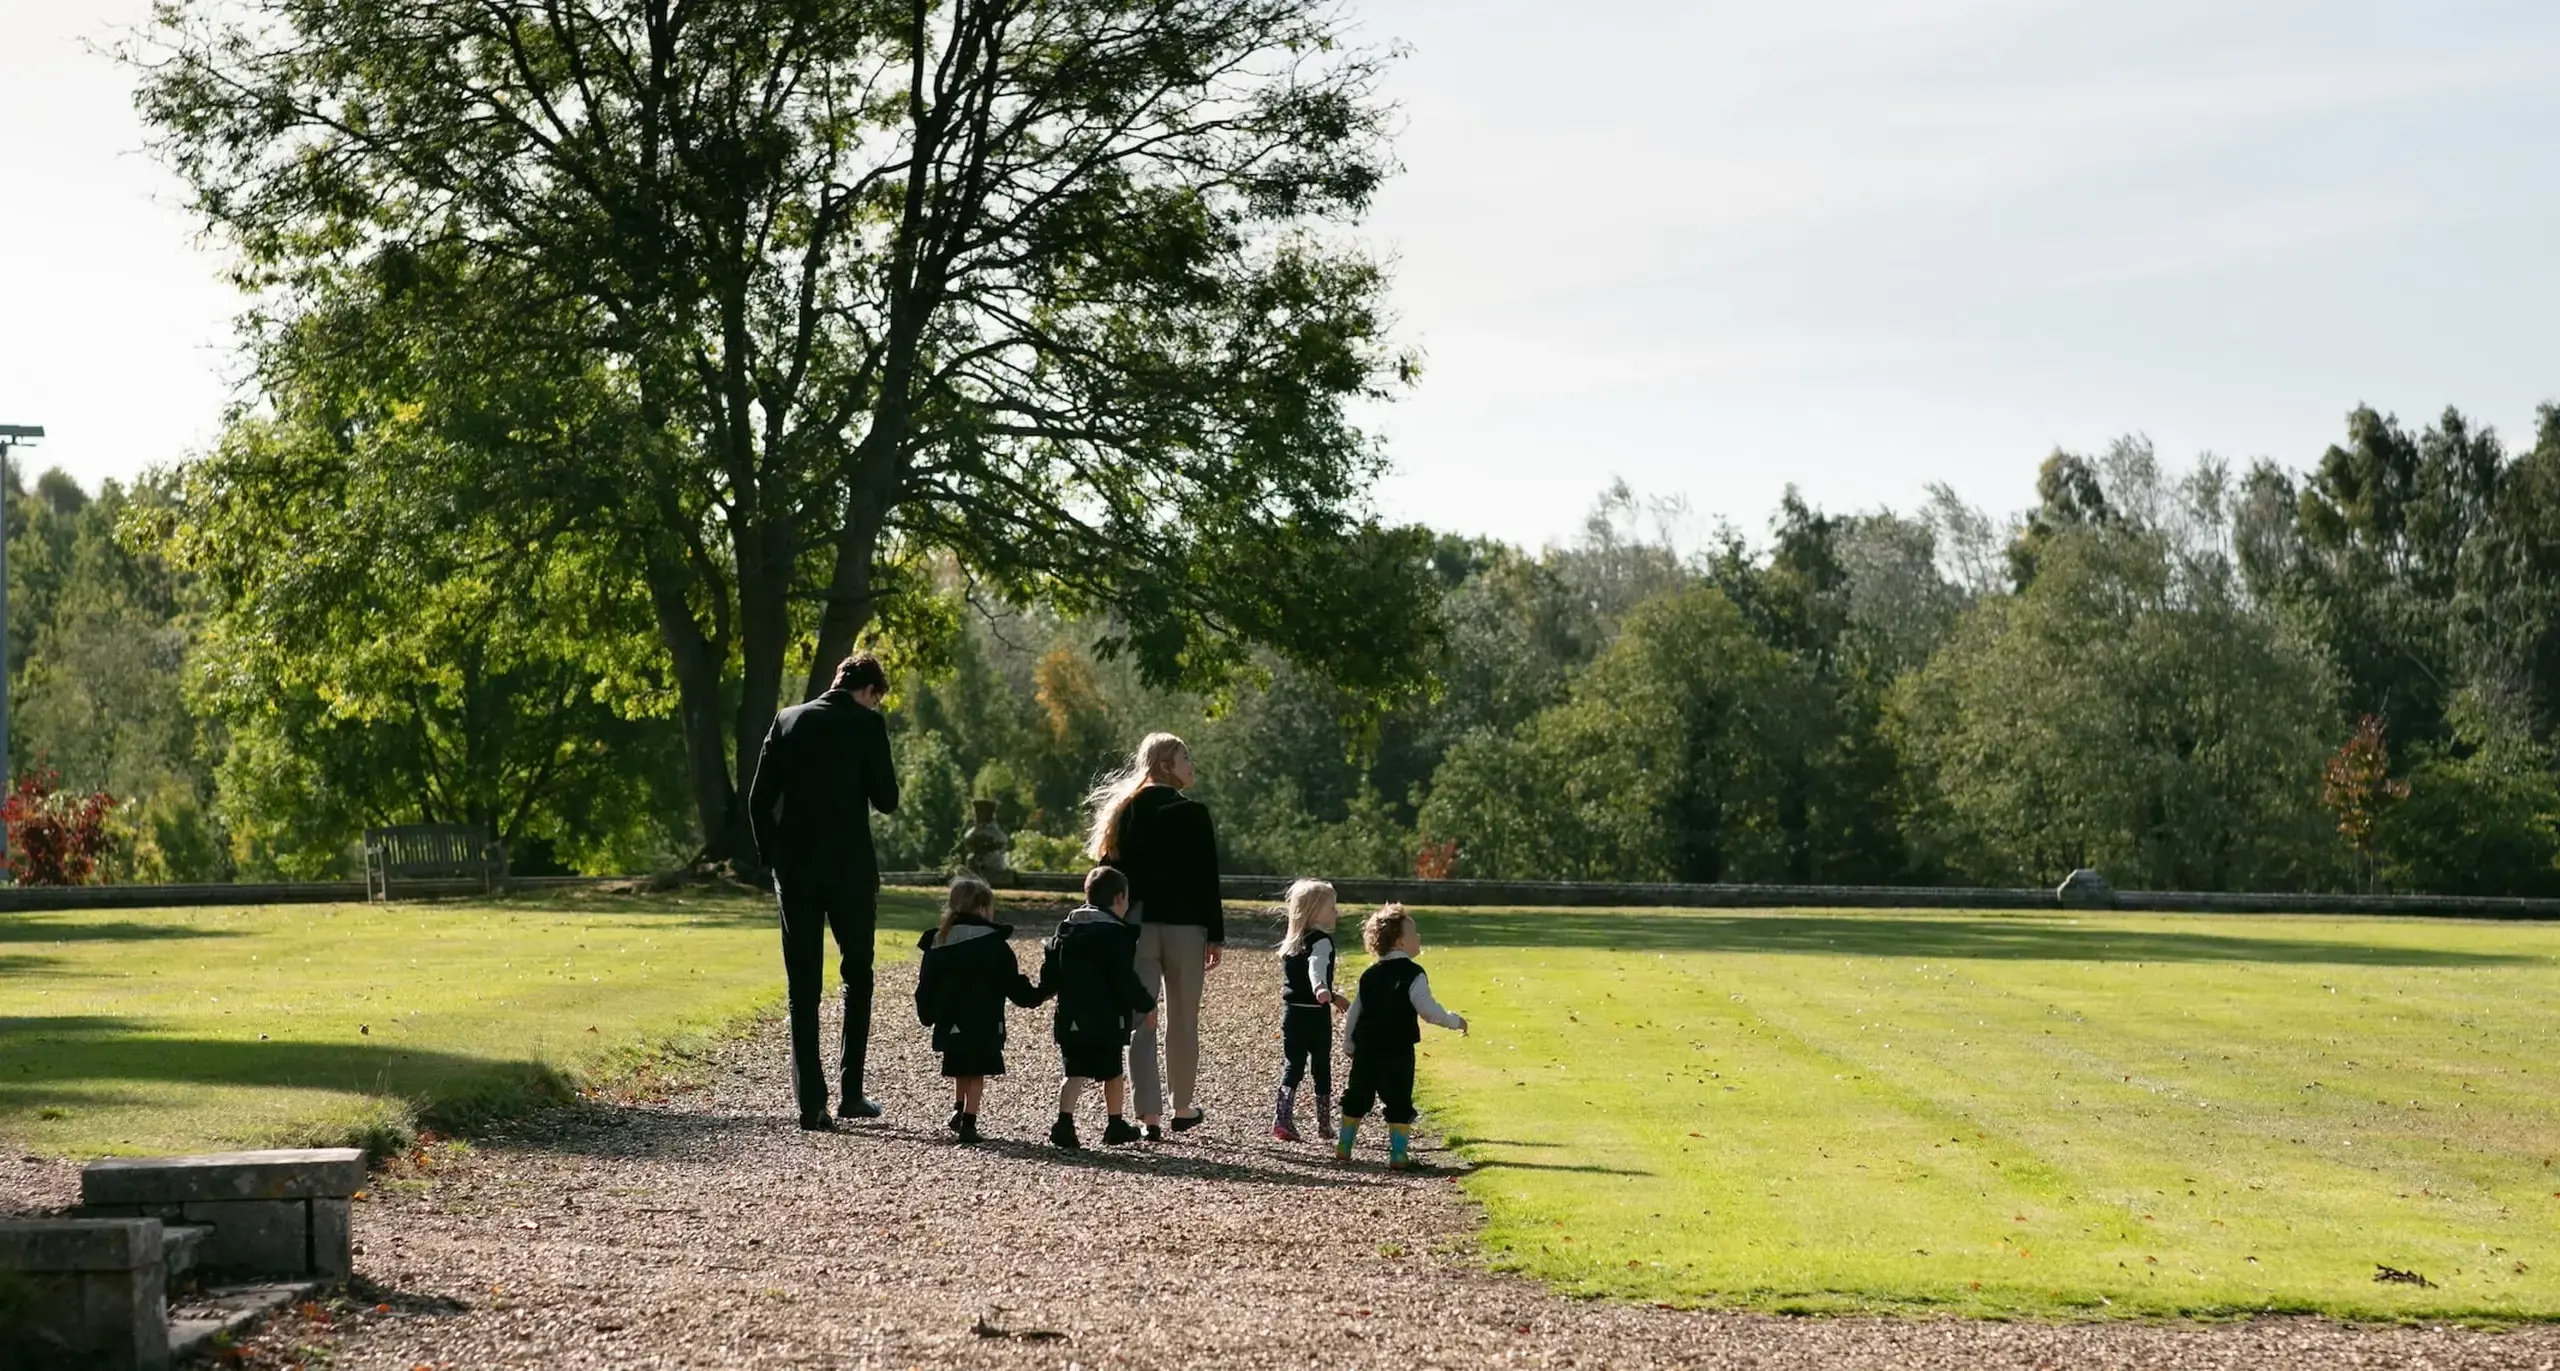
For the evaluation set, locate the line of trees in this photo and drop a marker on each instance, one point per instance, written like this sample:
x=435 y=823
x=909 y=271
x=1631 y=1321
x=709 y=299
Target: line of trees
x=2340 y=678
x=619 y=364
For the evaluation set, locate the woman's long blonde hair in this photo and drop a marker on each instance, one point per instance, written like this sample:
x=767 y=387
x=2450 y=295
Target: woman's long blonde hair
x=1306 y=899
x=1151 y=764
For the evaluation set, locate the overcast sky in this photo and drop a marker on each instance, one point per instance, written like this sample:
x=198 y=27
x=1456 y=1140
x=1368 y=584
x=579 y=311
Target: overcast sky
x=1710 y=247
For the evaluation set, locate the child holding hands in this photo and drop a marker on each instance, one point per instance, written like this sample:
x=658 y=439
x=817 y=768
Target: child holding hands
x=968 y=974
x=1091 y=967
x=1308 y=1004
x=1385 y=1023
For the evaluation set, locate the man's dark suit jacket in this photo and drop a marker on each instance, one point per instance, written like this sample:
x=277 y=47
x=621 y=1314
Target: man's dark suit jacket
x=824 y=767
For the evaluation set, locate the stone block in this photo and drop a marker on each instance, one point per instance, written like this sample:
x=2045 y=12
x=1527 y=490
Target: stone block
x=117 y=1244
x=333 y=1246
x=88 y=1293
x=289 y=1173
x=254 y=1237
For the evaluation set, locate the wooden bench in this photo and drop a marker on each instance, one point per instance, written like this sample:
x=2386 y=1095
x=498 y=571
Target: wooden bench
x=429 y=852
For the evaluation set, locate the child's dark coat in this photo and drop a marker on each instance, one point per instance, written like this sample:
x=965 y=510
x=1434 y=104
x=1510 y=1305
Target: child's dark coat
x=1090 y=965
x=963 y=985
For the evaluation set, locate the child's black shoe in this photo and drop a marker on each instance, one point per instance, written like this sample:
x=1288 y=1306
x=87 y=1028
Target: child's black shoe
x=1119 y=1132
x=967 y=1127
x=953 y=1123
x=1062 y=1134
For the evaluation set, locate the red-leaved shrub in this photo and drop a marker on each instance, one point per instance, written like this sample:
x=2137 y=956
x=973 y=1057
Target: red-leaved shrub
x=55 y=838
x=1437 y=861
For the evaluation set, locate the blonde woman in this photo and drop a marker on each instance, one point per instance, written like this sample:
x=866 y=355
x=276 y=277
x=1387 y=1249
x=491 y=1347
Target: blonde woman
x=1164 y=840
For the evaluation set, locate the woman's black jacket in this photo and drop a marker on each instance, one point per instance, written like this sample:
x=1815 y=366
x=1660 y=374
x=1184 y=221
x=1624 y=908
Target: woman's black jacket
x=1169 y=848
x=963 y=985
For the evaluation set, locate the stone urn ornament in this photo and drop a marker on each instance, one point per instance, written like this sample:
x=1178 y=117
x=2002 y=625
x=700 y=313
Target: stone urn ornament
x=984 y=848
x=2084 y=889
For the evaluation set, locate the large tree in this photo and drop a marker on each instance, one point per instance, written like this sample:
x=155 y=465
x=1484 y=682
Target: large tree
x=2132 y=708
x=776 y=297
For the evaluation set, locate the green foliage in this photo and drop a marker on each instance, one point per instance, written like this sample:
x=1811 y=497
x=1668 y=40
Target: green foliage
x=2481 y=817
x=933 y=806
x=101 y=627
x=1664 y=764
x=2130 y=710
x=403 y=662
x=779 y=311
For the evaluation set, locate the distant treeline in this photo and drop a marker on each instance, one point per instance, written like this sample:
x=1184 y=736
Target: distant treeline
x=2202 y=679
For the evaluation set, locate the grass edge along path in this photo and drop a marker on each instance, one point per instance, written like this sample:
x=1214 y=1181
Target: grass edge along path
x=179 y=1030
x=2068 y=1116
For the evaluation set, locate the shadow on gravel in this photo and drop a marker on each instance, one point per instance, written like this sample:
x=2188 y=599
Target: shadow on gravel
x=375 y=1295
x=1184 y=1166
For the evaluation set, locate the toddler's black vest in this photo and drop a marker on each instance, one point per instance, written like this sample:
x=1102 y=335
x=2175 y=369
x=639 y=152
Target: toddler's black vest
x=1386 y=1004
x=1296 y=987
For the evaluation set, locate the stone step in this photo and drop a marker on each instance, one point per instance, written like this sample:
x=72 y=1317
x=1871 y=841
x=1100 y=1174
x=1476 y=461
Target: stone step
x=285 y=1173
x=199 y=1322
x=279 y=1214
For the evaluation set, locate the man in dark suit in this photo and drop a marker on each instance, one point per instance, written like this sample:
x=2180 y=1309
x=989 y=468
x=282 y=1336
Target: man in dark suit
x=824 y=768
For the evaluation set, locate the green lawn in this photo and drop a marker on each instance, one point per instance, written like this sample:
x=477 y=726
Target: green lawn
x=2036 y=1114
x=125 y=1031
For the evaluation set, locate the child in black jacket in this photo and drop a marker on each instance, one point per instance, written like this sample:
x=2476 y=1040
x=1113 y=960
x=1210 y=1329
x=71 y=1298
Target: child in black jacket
x=1385 y=1024
x=1308 y=1004
x=969 y=972
x=1091 y=967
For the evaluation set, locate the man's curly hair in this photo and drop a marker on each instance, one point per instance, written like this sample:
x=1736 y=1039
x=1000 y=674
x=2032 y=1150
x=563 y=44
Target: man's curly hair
x=1385 y=929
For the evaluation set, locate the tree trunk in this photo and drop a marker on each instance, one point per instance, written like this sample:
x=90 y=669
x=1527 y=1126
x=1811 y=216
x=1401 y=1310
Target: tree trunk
x=697 y=670
x=764 y=639
x=850 y=599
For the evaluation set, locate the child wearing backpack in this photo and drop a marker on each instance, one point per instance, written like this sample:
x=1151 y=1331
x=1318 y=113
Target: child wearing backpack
x=968 y=974
x=1308 y=1004
x=1385 y=1024
x=1090 y=965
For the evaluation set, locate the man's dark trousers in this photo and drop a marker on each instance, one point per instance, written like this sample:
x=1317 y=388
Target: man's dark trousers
x=814 y=902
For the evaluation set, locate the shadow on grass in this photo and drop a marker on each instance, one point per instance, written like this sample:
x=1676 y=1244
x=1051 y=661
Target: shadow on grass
x=53 y=927
x=1990 y=938
x=71 y=1060
x=1498 y=1164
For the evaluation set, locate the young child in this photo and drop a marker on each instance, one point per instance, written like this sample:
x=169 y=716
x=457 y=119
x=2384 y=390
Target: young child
x=1308 y=1003
x=968 y=973
x=1386 y=1021
x=1091 y=966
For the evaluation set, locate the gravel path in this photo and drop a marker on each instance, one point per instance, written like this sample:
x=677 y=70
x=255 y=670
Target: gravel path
x=705 y=1230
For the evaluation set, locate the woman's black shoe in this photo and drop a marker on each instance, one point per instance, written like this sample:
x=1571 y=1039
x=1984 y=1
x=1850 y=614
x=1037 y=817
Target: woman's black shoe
x=817 y=1123
x=1154 y=1134
x=1185 y=1123
x=856 y=1107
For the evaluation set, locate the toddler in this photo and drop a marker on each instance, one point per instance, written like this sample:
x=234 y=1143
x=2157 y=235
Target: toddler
x=1308 y=1003
x=969 y=972
x=1386 y=1021
x=1091 y=966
